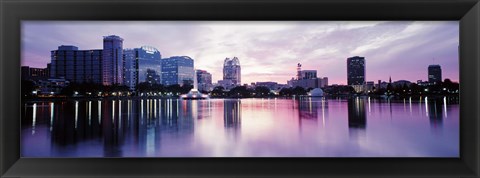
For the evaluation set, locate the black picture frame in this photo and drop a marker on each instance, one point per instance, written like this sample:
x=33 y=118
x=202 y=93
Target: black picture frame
x=12 y=12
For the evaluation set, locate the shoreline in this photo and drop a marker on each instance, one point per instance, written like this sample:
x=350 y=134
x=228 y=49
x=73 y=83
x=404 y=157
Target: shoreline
x=382 y=97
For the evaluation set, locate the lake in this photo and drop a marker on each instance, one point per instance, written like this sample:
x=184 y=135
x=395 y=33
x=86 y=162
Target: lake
x=253 y=127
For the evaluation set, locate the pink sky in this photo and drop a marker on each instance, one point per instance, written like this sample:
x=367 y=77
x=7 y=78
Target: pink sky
x=268 y=51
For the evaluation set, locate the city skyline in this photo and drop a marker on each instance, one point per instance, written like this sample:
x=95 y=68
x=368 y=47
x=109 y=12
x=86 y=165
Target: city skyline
x=268 y=50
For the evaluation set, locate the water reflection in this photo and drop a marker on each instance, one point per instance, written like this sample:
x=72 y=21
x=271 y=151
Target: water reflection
x=272 y=127
x=308 y=108
x=357 y=118
x=435 y=113
x=232 y=113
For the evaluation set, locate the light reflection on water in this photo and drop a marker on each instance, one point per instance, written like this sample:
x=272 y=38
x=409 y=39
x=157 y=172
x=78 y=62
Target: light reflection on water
x=301 y=127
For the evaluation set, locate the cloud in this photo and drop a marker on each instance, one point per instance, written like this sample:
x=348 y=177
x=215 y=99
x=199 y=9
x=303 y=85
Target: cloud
x=268 y=51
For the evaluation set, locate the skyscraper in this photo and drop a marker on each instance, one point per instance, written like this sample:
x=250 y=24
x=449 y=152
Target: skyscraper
x=77 y=66
x=142 y=65
x=112 y=60
x=434 y=74
x=177 y=70
x=356 y=70
x=232 y=70
x=204 y=80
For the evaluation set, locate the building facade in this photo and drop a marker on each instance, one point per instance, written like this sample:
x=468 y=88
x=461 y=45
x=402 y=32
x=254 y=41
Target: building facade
x=434 y=74
x=309 y=83
x=204 y=80
x=308 y=74
x=112 y=60
x=177 y=70
x=232 y=71
x=142 y=65
x=76 y=66
x=31 y=73
x=356 y=70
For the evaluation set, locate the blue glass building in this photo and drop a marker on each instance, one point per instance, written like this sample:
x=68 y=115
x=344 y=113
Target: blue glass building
x=142 y=65
x=77 y=66
x=232 y=70
x=204 y=80
x=112 y=60
x=177 y=70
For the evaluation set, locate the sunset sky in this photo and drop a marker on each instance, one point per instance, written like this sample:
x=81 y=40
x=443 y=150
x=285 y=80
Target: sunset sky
x=268 y=51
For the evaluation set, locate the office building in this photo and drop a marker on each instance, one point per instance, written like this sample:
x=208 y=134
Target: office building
x=112 y=60
x=308 y=74
x=434 y=74
x=226 y=84
x=76 y=66
x=309 y=83
x=31 y=73
x=204 y=80
x=232 y=70
x=177 y=70
x=142 y=65
x=356 y=70
x=269 y=85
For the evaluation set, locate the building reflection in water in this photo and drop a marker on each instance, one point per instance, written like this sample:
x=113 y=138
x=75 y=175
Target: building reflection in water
x=357 y=119
x=153 y=127
x=434 y=109
x=232 y=114
x=308 y=108
x=312 y=109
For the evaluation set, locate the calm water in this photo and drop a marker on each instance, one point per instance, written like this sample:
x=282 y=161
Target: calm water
x=307 y=127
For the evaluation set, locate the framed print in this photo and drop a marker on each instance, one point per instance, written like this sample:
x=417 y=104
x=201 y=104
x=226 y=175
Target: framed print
x=239 y=88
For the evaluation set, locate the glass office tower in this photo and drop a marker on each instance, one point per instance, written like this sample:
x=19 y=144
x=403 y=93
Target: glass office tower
x=232 y=70
x=77 y=66
x=356 y=70
x=177 y=70
x=142 y=65
x=112 y=60
x=434 y=74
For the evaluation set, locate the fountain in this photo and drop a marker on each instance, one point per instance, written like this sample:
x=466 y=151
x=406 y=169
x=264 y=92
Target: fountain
x=194 y=93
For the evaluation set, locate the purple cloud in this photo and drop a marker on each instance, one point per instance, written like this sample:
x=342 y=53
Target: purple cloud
x=268 y=51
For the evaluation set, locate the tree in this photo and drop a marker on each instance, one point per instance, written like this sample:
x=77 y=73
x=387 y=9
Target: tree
x=174 y=89
x=186 y=88
x=218 y=91
x=239 y=91
x=262 y=91
x=286 y=92
x=299 y=91
x=143 y=87
x=27 y=87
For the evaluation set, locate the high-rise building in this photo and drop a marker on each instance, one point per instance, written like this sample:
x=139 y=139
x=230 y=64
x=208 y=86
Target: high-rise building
x=356 y=70
x=308 y=74
x=232 y=70
x=177 y=70
x=307 y=79
x=112 y=60
x=76 y=66
x=434 y=74
x=142 y=65
x=204 y=80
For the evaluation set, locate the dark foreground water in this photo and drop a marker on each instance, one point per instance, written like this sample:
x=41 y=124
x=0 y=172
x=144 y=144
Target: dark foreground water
x=306 y=127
